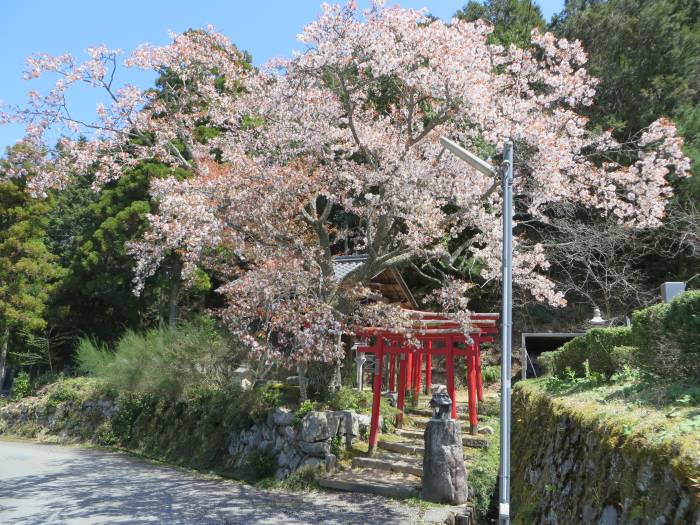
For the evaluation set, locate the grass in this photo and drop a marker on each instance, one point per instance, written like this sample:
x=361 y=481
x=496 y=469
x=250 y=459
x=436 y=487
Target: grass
x=304 y=479
x=661 y=416
x=165 y=362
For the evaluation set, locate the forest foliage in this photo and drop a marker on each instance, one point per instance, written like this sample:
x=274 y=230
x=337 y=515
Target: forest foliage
x=66 y=269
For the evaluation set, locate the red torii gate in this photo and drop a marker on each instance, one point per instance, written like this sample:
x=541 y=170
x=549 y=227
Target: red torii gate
x=437 y=334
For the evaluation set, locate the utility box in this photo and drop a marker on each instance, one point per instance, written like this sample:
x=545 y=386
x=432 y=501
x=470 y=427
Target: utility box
x=669 y=290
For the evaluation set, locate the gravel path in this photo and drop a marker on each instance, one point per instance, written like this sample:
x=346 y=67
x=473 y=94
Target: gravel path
x=42 y=484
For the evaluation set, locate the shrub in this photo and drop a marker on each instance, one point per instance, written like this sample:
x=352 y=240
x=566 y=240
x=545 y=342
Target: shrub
x=303 y=478
x=647 y=328
x=623 y=357
x=667 y=337
x=306 y=407
x=261 y=463
x=491 y=374
x=21 y=386
x=104 y=435
x=347 y=398
x=166 y=362
x=597 y=347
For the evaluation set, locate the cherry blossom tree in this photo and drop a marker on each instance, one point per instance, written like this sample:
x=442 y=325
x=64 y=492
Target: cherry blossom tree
x=337 y=150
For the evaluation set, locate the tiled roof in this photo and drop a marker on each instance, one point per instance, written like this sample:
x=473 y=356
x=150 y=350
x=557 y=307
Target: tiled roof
x=343 y=265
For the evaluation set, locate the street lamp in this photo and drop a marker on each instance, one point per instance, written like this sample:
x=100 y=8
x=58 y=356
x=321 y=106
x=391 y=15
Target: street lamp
x=505 y=173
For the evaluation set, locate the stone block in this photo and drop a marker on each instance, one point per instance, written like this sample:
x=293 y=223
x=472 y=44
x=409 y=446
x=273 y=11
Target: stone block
x=280 y=417
x=331 y=462
x=444 y=474
x=317 y=449
x=319 y=426
x=312 y=462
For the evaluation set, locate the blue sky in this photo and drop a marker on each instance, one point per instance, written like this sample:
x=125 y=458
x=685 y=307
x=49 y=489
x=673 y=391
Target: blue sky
x=265 y=28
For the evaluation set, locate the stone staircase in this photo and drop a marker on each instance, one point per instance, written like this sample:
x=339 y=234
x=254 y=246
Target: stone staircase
x=396 y=469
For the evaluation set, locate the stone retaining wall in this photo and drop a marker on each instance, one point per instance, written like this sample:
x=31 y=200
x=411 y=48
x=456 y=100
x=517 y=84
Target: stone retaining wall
x=567 y=470
x=310 y=442
x=295 y=443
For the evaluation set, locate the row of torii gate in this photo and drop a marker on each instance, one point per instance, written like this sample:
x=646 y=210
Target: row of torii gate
x=436 y=335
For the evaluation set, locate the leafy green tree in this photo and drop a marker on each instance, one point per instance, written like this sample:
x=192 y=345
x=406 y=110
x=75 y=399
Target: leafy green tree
x=29 y=272
x=647 y=56
x=90 y=232
x=513 y=20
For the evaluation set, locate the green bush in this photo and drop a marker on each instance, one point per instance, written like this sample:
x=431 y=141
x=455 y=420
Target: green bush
x=21 y=386
x=668 y=339
x=647 y=329
x=260 y=464
x=491 y=374
x=165 y=362
x=597 y=347
x=104 y=435
x=351 y=399
x=306 y=407
x=664 y=340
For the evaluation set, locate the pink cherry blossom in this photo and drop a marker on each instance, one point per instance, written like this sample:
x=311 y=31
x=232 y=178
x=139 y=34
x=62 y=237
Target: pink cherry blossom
x=349 y=127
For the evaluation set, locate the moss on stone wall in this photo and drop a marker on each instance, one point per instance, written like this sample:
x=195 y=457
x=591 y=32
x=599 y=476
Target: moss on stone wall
x=575 y=464
x=192 y=432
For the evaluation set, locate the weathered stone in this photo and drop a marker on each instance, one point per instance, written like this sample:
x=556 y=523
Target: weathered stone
x=392 y=397
x=289 y=433
x=280 y=417
x=312 y=462
x=609 y=516
x=319 y=426
x=294 y=460
x=486 y=430
x=283 y=459
x=441 y=515
x=267 y=433
x=463 y=519
x=279 y=444
x=331 y=462
x=444 y=474
x=317 y=449
x=242 y=377
x=363 y=422
x=437 y=389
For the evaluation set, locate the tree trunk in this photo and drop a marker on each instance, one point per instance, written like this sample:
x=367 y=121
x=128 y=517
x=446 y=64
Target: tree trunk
x=174 y=293
x=303 y=382
x=4 y=342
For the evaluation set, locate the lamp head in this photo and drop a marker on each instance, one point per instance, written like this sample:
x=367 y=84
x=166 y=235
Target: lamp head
x=597 y=318
x=471 y=159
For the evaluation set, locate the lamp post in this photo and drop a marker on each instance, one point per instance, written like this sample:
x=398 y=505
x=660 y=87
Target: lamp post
x=505 y=173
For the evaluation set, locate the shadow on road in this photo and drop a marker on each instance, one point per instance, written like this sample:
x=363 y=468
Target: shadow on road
x=51 y=484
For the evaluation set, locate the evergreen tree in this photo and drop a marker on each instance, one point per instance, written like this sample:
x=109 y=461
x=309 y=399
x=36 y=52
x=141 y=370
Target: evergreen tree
x=90 y=232
x=513 y=20
x=29 y=272
x=647 y=55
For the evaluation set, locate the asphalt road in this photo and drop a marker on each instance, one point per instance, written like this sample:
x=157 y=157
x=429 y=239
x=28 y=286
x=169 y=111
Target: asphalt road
x=46 y=484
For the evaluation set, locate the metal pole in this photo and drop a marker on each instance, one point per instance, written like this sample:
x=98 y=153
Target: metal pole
x=506 y=332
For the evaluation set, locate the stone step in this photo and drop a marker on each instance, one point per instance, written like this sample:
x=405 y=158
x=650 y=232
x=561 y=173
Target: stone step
x=391 y=463
x=429 y=413
x=389 y=484
x=402 y=447
x=467 y=440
